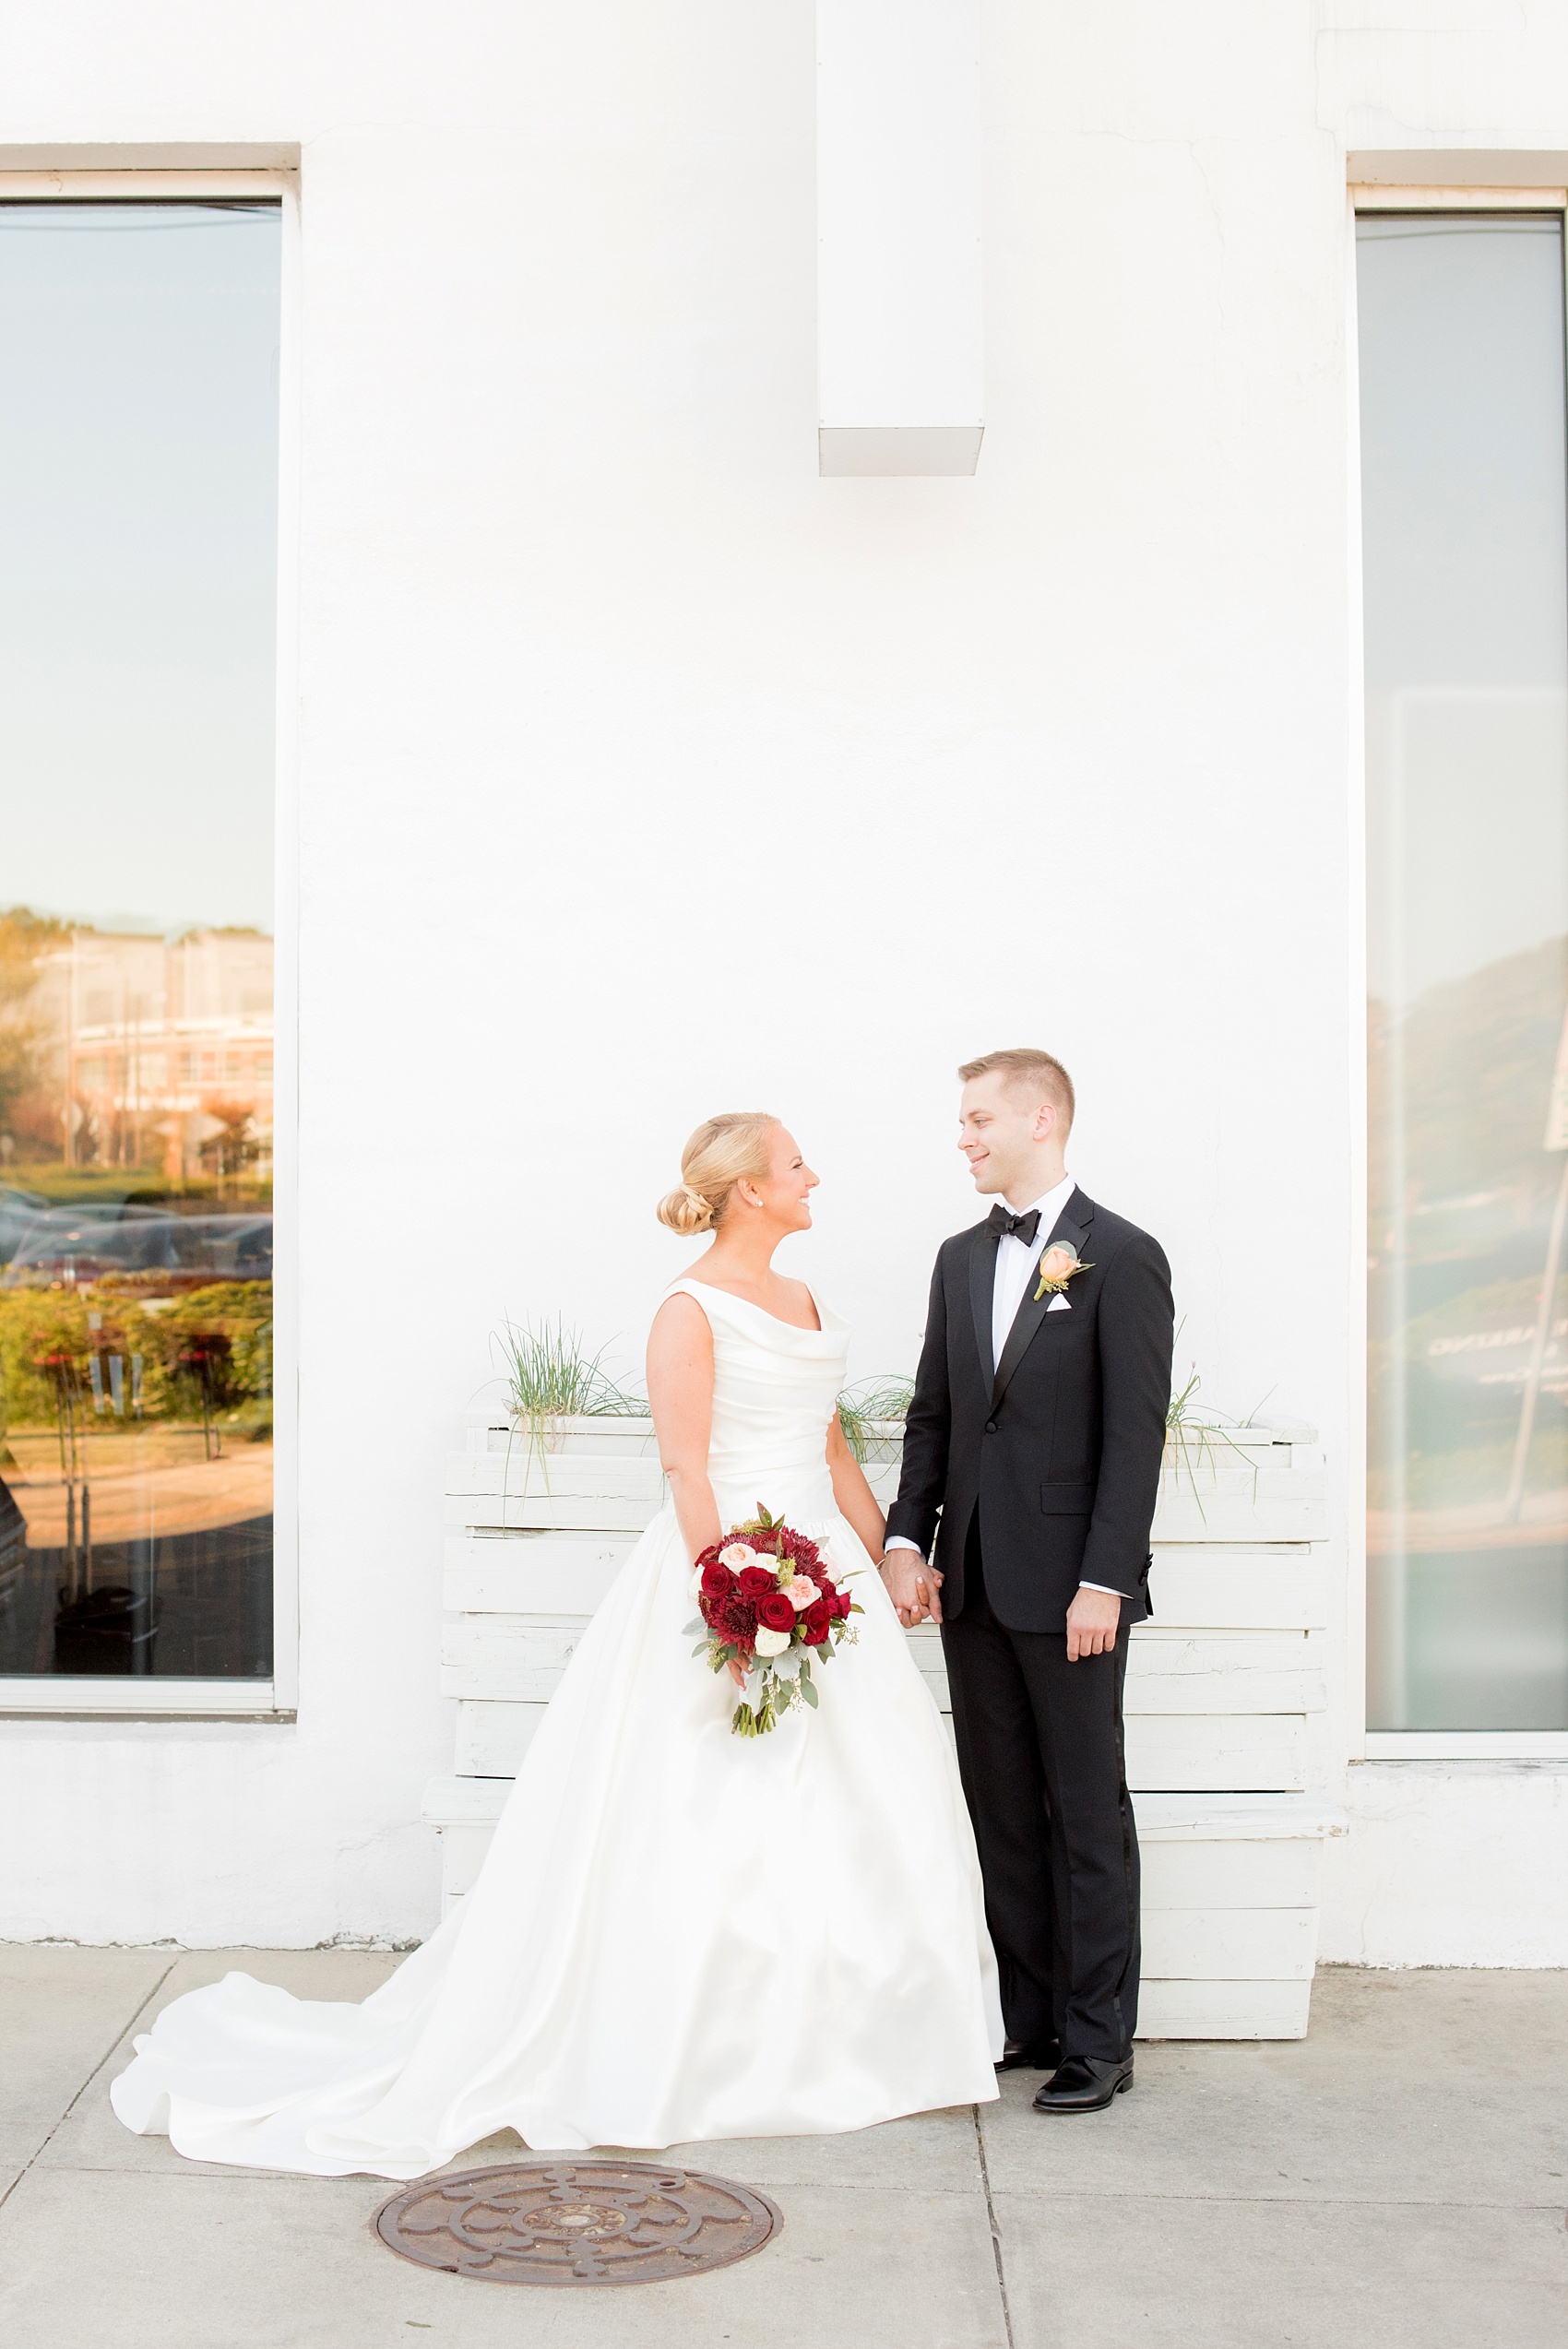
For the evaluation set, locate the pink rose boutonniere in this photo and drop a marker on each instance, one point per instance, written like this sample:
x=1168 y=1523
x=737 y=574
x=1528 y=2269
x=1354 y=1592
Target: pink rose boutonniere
x=1057 y=1266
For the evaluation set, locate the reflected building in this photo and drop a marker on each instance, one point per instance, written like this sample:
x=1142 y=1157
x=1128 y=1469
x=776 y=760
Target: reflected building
x=158 y=1053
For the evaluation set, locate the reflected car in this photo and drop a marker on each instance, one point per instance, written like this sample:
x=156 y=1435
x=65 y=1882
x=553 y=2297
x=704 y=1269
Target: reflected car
x=20 y=1210
x=66 y=1248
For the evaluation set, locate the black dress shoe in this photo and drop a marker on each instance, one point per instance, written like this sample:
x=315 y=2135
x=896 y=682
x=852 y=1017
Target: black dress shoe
x=1029 y=2055
x=1084 y=2084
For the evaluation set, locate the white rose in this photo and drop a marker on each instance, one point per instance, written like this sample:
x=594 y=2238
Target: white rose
x=695 y=1585
x=771 y=1642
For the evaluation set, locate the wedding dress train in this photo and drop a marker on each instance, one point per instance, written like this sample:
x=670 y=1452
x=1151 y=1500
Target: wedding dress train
x=678 y=1934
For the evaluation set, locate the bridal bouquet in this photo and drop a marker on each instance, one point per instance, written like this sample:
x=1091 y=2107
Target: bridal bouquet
x=769 y=1604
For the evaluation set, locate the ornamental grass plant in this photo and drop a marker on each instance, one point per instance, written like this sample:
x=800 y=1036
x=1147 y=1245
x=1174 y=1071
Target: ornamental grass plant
x=1197 y=1434
x=548 y=1376
x=864 y=1411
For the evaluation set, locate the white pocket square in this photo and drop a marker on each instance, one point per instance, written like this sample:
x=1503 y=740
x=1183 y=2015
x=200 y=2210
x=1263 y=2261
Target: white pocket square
x=1059 y=1305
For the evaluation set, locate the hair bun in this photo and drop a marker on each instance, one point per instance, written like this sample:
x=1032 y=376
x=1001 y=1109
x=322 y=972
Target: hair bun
x=722 y=1152
x=685 y=1211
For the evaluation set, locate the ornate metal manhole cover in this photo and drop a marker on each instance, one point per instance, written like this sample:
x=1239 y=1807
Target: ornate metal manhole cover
x=592 y=2222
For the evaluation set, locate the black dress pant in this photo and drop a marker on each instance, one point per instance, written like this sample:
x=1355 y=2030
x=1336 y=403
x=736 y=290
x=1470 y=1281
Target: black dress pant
x=1040 y=1755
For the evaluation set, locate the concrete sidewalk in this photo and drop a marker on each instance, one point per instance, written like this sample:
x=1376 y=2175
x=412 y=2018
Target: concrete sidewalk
x=1397 y=2181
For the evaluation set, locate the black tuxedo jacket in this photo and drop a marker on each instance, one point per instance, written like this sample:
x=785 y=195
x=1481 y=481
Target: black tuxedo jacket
x=1062 y=1449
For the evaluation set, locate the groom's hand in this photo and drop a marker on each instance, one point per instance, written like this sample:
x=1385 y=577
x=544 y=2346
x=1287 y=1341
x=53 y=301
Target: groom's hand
x=913 y=1586
x=1091 y=1624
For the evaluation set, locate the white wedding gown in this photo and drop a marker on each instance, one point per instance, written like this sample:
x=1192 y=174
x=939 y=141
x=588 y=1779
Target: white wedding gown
x=678 y=1934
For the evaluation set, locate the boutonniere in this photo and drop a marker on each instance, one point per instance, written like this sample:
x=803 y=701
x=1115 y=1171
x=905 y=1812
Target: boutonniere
x=1058 y=1264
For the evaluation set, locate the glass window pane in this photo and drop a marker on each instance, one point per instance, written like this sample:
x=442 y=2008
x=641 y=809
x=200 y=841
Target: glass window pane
x=1465 y=573
x=138 y=462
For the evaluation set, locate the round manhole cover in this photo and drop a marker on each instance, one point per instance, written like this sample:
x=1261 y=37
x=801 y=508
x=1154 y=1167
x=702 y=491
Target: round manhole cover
x=593 y=2222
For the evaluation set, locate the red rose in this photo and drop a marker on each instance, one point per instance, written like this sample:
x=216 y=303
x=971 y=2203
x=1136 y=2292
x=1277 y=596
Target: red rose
x=777 y=1612
x=755 y=1582
x=842 y=1604
x=816 y=1620
x=716 y=1580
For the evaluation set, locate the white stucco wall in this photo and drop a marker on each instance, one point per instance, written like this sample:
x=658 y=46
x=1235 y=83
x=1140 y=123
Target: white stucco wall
x=644 y=773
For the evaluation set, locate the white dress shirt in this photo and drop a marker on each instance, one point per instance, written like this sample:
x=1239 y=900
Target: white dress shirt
x=1015 y=1268
x=1014 y=1264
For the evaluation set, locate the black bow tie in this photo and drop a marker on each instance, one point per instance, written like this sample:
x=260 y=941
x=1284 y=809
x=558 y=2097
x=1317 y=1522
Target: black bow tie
x=1022 y=1227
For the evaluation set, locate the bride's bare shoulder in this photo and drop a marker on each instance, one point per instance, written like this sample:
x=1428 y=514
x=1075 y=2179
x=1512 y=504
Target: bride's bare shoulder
x=681 y=1321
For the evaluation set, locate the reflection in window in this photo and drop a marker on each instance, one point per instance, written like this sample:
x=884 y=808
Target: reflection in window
x=1465 y=583
x=138 y=438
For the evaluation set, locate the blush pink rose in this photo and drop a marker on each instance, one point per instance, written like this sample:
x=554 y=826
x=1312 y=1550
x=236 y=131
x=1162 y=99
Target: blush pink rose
x=802 y=1593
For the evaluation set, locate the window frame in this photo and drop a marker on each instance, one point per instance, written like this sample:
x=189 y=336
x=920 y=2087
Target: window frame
x=1386 y=194
x=63 y=1697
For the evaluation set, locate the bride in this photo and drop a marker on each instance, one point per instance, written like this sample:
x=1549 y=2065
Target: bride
x=678 y=1934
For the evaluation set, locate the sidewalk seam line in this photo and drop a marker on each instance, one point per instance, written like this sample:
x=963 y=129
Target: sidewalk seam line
x=48 y=2139
x=192 y=2166
x=1279 y=2202
x=995 y=2235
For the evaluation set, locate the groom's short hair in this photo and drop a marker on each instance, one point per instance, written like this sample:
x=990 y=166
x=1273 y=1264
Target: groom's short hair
x=1040 y=1070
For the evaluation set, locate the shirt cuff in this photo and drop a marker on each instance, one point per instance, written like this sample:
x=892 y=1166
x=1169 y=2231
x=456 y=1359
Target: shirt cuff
x=901 y=1541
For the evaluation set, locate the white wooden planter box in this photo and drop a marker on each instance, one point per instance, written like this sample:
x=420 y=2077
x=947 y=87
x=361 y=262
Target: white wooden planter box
x=1224 y=1709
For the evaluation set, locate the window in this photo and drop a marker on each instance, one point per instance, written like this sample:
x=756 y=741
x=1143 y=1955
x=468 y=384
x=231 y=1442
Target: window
x=1466 y=589
x=138 y=464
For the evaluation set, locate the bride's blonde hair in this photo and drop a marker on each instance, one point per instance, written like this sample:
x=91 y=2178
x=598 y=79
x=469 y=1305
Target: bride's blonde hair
x=722 y=1152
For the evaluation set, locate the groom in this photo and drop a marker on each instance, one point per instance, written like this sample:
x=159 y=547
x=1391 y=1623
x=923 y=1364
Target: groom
x=1031 y=1461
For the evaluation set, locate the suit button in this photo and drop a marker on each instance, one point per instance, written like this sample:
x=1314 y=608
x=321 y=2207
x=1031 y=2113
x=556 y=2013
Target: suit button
x=990 y=1426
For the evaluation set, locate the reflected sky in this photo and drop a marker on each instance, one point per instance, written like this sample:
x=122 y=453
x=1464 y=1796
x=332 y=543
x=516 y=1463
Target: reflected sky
x=1465 y=582
x=138 y=500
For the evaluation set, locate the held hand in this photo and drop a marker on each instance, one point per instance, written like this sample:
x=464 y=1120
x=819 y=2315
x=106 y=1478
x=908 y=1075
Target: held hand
x=913 y=1586
x=1091 y=1624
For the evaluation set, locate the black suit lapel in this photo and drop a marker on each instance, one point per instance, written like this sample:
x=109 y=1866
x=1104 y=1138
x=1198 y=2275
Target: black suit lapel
x=982 y=1285
x=1072 y=1225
